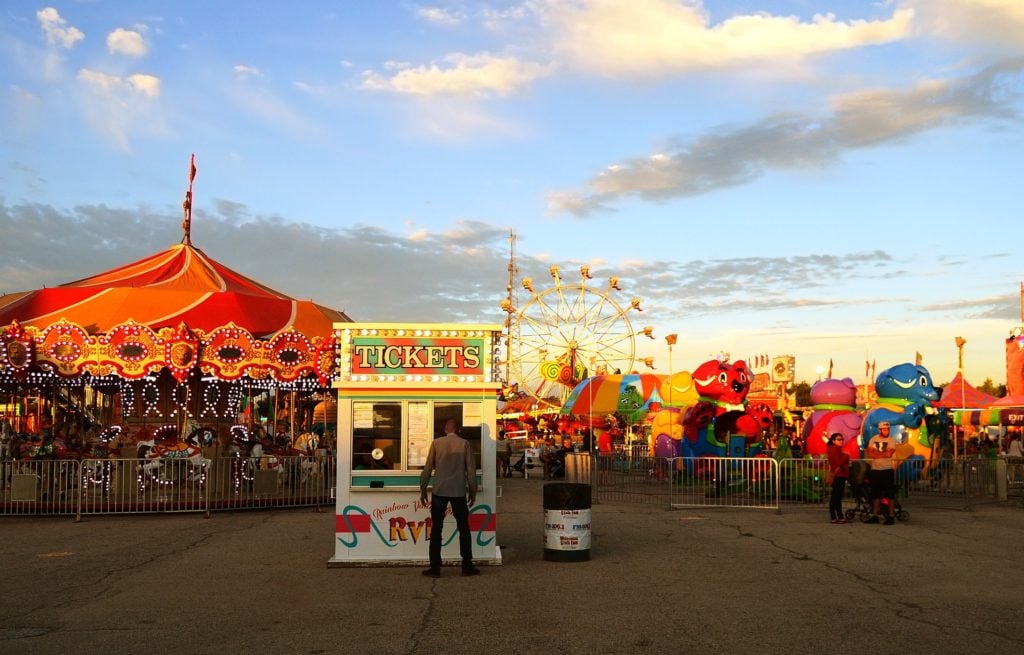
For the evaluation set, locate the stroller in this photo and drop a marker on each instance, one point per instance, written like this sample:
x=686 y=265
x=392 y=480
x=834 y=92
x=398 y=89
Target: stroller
x=860 y=489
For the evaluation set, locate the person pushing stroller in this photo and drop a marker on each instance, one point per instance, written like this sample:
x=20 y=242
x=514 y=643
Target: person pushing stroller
x=882 y=475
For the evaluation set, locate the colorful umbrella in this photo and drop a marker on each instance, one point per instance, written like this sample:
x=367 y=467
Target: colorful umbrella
x=607 y=394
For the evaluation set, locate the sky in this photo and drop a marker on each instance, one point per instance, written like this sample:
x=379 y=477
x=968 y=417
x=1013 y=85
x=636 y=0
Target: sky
x=833 y=180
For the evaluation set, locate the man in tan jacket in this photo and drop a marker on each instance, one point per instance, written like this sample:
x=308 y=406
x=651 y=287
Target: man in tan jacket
x=450 y=460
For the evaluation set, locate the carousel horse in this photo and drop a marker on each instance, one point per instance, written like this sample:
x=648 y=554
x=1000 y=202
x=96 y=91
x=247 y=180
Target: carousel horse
x=245 y=451
x=69 y=446
x=6 y=441
x=168 y=460
x=304 y=457
x=35 y=446
x=273 y=456
x=97 y=464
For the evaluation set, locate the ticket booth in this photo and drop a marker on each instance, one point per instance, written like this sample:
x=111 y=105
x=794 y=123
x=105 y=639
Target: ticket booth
x=397 y=385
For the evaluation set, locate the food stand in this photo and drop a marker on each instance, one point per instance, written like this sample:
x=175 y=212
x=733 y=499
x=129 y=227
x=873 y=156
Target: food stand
x=397 y=385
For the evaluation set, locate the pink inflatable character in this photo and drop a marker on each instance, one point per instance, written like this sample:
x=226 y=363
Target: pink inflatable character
x=835 y=410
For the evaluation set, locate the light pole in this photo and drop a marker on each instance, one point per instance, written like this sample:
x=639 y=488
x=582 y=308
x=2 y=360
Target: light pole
x=671 y=341
x=820 y=370
x=960 y=343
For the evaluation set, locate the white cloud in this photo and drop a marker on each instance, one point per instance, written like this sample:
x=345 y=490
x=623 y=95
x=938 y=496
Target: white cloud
x=120 y=108
x=126 y=42
x=481 y=74
x=439 y=16
x=457 y=120
x=657 y=37
x=244 y=72
x=147 y=85
x=499 y=19
x=734 y=156
x=988 y=24
x=57 y=30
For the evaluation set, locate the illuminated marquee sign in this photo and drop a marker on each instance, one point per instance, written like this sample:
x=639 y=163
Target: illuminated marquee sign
x=403 y=356
x=407 y=353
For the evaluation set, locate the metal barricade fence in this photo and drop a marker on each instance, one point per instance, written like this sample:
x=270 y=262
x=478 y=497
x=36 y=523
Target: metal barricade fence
x=121 y=486
x=743 y=482
x=126 y=486
x=136 y=486
x=1015 y=477
x=39 y=487
x=624 y=476
x=766 y=483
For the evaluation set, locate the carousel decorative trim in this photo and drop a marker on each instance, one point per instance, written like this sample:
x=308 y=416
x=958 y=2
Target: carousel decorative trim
x=133 y=351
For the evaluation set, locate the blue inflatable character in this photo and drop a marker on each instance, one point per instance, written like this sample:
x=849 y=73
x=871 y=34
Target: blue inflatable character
x=905 y=398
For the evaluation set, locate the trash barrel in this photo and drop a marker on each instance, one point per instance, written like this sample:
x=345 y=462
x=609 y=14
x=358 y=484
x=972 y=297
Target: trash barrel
x=566 y=522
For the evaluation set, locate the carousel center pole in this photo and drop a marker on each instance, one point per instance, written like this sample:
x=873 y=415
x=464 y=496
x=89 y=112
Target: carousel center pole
x=291 y=417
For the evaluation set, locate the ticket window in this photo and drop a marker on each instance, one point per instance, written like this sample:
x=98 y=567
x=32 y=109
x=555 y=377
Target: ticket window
x=377 y=436
x=470 y=429
x=387 y=433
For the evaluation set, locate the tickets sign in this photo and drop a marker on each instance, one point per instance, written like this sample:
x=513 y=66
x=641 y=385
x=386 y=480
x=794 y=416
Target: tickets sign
x=417 y=356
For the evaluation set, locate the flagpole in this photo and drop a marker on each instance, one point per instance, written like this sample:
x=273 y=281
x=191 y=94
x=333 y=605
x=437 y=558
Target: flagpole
x=186 y=224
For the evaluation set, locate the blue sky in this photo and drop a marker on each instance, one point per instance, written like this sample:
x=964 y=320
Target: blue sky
x=832 y=180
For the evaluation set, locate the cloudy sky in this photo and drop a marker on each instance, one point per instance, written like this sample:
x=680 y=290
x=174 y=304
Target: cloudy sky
x=831 y=179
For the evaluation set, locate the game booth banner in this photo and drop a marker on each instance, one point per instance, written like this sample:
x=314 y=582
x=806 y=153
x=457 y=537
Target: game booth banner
x=397 y=385
x=1009 y=417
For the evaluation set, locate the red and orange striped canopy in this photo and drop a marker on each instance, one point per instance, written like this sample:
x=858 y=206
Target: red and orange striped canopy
x=178 y=285
x=177 y=309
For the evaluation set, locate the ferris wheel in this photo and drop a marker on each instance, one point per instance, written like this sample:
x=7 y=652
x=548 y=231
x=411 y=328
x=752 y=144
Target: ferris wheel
x=566 y=333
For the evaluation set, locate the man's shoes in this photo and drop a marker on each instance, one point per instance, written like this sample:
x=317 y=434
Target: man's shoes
x=873 y=519
x=432 y=573
x=839 y=521
x=889 y=520
x=469 y=572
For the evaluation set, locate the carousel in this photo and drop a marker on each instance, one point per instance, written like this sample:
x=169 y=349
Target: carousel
x=173 y=356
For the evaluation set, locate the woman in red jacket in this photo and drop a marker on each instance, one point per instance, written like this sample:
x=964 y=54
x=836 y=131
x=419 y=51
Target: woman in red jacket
x=839 y=467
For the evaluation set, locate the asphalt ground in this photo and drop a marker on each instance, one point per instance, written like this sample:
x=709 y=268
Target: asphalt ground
x=658 y=581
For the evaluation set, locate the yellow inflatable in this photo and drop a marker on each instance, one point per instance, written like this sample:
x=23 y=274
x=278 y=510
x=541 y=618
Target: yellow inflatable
x=677 y=393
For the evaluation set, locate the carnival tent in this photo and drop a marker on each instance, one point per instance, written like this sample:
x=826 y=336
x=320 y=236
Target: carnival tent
x=1010 y=401
x=959 y=394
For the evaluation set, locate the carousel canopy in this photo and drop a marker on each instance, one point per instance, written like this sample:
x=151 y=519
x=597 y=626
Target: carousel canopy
x=178 y=285
x=177 y=309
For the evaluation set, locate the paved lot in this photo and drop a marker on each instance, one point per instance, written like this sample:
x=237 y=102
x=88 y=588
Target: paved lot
x=718 y=581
